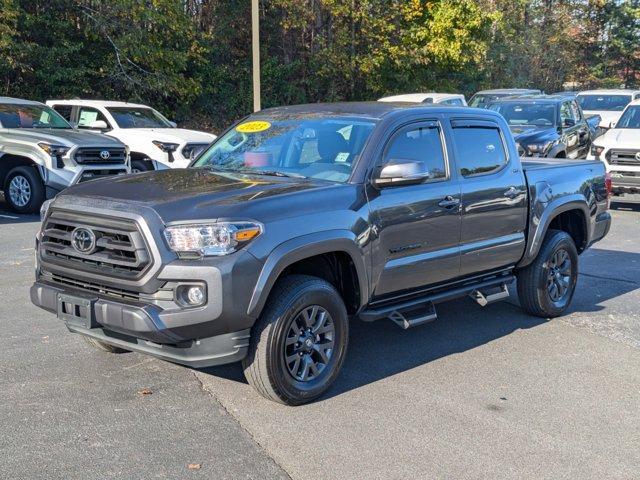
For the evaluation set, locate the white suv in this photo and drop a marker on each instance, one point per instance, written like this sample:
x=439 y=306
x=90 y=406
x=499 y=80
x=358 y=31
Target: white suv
x=609 y=104
x=155 y=142
x=454 y=99
x=619 y=148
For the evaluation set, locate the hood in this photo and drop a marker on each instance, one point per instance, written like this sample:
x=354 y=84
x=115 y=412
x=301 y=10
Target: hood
x=527 y=135
x=65 y=136
x=174 y=135
x=606 y=116
x=625 y=138
x=200 y=193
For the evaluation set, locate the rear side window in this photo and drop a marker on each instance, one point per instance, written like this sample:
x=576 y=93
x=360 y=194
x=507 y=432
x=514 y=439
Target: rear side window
x=419 y=144
x=480 y=150
x=64 y=110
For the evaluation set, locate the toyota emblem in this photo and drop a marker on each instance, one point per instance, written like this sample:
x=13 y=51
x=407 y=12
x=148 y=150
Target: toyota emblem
x=105 y=155
x=83 y=240
x=638 y=156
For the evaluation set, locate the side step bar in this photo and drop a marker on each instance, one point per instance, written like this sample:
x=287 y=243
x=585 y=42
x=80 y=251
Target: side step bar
x=422 y=310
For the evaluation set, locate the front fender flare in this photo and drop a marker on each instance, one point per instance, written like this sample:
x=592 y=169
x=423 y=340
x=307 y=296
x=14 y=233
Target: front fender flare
x=303 y=247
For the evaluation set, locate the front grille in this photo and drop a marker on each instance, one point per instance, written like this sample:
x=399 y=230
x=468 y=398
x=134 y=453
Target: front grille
x=118 y=293
x=623 y=157
x=87 y=175
x=120 y=251
x=100 y=156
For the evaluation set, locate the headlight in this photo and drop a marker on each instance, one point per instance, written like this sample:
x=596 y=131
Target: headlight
x=596 y=150
x=211 y=239
x=54 y=150
x=540 y=147
x=166 y=146
x=44 y=209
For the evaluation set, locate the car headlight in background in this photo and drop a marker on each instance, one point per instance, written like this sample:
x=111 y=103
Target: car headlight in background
x=596 y=150
x=211 y=239
x=166 y=147
x=540 y=147
x=55 y=151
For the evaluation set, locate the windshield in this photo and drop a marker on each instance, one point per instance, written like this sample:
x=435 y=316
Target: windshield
x=630 y=118
x=324 y=148
x=612 y=103
x=30 y=116
x=138 y=117
x=481 y=100
x=527 y=114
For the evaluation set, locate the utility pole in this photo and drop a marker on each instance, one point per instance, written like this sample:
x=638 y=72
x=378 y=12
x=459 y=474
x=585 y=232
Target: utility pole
x=255 y=46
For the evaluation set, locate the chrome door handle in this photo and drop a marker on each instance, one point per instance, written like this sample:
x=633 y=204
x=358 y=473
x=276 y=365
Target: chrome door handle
x=513 y=192
x=449 y=202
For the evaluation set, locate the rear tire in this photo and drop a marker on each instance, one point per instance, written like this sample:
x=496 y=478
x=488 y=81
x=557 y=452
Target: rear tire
x=24 y=190
x=105 y=347
x=547 y=285
x=298 y=345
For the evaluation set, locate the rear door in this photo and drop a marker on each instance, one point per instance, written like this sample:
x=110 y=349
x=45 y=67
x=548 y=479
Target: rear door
x=417 y=226
x=494 y=197
x=570 y=129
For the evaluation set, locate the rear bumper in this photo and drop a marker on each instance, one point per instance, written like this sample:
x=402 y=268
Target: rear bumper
x=141 y=328
x=602 y=226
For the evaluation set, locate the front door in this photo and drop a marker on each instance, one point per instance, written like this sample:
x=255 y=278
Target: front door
x=417 y=226
x=494 y=197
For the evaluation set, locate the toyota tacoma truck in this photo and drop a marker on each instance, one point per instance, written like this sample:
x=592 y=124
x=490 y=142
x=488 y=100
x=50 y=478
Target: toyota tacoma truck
x=155 y=142
x=619 y=149
x=299 y=219
x=41 y=154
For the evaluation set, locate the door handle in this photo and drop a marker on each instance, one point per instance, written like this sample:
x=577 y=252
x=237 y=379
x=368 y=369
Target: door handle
x=449 y=202
x=513 y=192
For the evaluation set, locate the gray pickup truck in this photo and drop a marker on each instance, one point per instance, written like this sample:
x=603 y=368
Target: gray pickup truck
x=298 y=219
x=41 y=154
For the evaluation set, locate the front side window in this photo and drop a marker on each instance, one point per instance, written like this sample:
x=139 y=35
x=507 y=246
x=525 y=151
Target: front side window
x=88 y=116
x=630 y=118
x=612 y=103
x=566 y=114
x=480 y=150
x=526 y=113
x=421 y=144
x=325 y=148
x=30 y=116
x=138 y=117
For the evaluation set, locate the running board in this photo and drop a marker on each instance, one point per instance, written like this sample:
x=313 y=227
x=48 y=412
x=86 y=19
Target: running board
x=414 y=316
x=485 y=299
x=398 y=310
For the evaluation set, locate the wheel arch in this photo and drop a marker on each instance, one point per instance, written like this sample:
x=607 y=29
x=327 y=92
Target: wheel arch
x=330 y=255
x=9 y=161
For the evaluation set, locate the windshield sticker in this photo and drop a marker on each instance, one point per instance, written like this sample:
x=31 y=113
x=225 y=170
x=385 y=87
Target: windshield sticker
x=253 y=127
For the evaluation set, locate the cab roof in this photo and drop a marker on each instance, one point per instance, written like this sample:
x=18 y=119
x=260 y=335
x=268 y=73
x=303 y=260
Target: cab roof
x=613 y=91
x=509 y=91
x=547 y=99
x=97 y=103
x=420 y=97
x=18 y=101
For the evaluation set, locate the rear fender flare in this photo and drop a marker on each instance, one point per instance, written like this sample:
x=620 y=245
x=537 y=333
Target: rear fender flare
x=303 y=247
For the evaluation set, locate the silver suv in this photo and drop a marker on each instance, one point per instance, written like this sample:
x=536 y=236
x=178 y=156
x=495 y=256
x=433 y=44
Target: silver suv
x=41 y=154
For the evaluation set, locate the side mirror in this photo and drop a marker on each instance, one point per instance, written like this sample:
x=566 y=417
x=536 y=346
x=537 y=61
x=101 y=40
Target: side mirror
x=99 y=125
x=173 y=124
x=569 y=122
x=612 y=125
x=401 y=172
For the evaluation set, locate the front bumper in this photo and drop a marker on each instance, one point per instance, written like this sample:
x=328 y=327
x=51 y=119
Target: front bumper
x=625 y=182
x=138 y=327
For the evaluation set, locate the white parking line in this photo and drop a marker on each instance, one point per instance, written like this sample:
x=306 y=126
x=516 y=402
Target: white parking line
x=9 y=216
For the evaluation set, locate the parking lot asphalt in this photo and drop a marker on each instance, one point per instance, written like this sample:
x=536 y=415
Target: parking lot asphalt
x=480 y=393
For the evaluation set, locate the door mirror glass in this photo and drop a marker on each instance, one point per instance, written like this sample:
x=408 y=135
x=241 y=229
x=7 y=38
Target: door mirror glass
x=401 y=172
x=568 y=122
x=612 y=125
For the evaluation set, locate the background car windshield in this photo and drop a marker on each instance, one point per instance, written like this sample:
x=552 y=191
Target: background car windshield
x=538 y=115
x=630 y=118
x=325 y=148
x=482 y=100
x=30 y=116
x=128 y=117
x=614 y=103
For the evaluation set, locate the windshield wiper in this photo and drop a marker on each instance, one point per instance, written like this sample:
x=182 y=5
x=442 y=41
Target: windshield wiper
x=276 y=173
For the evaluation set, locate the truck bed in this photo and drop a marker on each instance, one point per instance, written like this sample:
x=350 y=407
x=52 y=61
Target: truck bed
x=529 y=164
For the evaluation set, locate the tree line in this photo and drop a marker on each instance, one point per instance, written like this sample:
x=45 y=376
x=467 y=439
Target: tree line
x=191 y=59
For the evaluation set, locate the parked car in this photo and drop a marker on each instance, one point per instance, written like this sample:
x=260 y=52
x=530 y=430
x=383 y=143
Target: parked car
x=41 y=154
x=619 y=149
x=155 y=142
x=299 y=218
x=485 y=97
x=546 y=126
x=454 y=99
x=609 y=104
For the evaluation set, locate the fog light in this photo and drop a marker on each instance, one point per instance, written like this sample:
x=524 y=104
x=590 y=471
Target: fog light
x=191 y=295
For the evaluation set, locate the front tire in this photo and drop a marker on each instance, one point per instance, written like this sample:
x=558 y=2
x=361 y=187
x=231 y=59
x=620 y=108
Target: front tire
x=547 y=285
x=24 y=190
x=298 y=345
